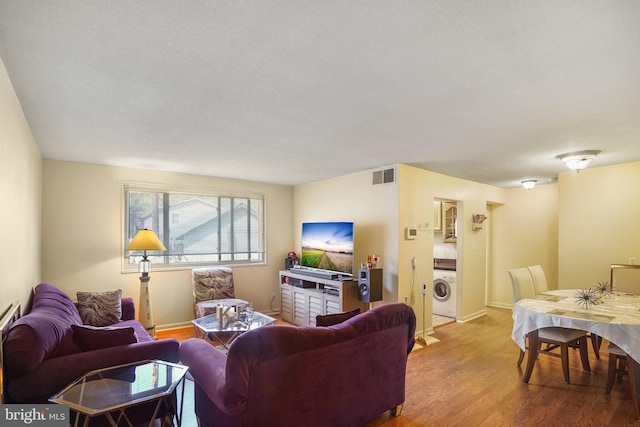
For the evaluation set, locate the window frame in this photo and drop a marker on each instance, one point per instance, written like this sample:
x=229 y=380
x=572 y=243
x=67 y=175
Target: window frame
x=130 y=259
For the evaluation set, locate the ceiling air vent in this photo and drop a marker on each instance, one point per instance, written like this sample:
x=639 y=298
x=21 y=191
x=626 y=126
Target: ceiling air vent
x=386 y=176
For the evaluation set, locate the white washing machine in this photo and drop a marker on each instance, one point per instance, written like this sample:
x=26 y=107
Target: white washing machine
x=444 y=293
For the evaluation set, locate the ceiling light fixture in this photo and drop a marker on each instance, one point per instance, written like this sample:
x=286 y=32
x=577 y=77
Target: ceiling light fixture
x=578 y=160
x=529 y=183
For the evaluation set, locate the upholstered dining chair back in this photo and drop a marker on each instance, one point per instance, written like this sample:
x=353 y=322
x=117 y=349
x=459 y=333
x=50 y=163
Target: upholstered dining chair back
x=539 y=279
x=521 y=283
x=554 y=337
x=625 y=278
x=540 y=287
x=212 y=283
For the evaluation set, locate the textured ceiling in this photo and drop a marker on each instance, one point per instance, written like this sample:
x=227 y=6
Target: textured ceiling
x=296 y=91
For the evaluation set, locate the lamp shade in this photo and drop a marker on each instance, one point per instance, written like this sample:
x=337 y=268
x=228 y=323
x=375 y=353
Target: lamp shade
x=146 y=240
x=529 y=183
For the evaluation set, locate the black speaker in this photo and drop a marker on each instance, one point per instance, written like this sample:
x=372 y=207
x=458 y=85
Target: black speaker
x=370 y=284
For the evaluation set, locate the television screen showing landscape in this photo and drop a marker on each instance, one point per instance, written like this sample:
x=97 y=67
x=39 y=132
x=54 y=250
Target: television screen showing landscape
x=328 y=246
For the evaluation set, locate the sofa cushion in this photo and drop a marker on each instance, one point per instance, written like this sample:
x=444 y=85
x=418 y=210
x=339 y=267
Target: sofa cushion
x=100 y=308
x=141 y=332
x=93 y=338
x=44 y=333
x=334 y=319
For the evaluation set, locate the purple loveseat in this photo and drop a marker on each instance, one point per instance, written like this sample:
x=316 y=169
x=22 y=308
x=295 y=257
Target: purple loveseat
x=341 y=375
x=43 y=352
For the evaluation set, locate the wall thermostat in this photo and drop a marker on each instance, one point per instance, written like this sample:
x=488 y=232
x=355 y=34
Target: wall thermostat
x=410 y=233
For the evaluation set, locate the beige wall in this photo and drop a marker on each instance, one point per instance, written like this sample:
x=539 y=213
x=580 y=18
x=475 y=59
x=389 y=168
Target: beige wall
x=575 y=229
x=415 y=209
x=373 y=209
x=381 y=214
x=82 y=237
x=418 y=190
x=20 y=190
x=599 y=222
x=523 y=232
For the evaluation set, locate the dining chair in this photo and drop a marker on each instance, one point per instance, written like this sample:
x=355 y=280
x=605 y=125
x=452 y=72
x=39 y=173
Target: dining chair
x=521 y=284
x=617 y=366
x=625 y=278
x=540 y=287
x=539 y=279
x=555 y=337
x=521 y=287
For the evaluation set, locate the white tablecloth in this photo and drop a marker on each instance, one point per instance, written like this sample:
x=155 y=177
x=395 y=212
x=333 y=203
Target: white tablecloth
x=617 y=319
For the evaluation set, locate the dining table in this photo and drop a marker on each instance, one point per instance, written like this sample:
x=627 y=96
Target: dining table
x=612 y=316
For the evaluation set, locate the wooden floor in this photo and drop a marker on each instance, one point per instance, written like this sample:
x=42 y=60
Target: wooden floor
x=470 y=378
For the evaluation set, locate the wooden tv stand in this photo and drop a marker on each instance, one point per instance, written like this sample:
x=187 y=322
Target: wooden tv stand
x=301 y=305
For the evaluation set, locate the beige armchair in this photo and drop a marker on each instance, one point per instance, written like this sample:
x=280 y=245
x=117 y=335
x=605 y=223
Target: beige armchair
x=210 y=284
x=213 y=286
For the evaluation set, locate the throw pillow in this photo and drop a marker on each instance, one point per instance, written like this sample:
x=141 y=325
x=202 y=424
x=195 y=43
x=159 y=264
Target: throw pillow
x=100 y=308
x=334 y=319
x=93 y=338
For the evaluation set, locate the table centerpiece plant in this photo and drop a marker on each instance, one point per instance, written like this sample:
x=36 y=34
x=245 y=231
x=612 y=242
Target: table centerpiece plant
x=604 y=289
x=587 y=298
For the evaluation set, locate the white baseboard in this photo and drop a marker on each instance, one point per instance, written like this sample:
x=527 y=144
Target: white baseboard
x=500 y=305
x=475 y=315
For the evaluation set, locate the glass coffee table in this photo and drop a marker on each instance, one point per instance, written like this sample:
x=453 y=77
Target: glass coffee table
x=225 y=334
x=116 y=389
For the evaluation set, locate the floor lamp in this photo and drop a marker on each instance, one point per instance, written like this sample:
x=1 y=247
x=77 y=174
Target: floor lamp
x=146 y=240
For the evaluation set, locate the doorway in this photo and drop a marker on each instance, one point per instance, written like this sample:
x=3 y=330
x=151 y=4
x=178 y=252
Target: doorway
x=445 y=255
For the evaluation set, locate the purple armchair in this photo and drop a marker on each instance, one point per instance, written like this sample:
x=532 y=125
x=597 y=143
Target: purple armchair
x=340 y=375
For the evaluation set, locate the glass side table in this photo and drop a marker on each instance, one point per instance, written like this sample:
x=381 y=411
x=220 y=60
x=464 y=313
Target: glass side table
x=116 y=389
x=225 y=334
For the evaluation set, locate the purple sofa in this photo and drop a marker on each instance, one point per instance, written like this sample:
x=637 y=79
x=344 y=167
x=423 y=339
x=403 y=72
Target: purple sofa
x=341 y=375
x=47 y=349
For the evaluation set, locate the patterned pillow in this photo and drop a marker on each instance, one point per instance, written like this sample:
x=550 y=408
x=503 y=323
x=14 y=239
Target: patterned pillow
x=100 y=308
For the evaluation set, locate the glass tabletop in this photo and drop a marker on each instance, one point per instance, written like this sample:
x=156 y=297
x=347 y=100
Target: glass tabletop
x=210 y=323
x=121 y=386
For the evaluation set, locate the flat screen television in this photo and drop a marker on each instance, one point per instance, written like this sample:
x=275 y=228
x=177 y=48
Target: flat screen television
x=328 y=246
